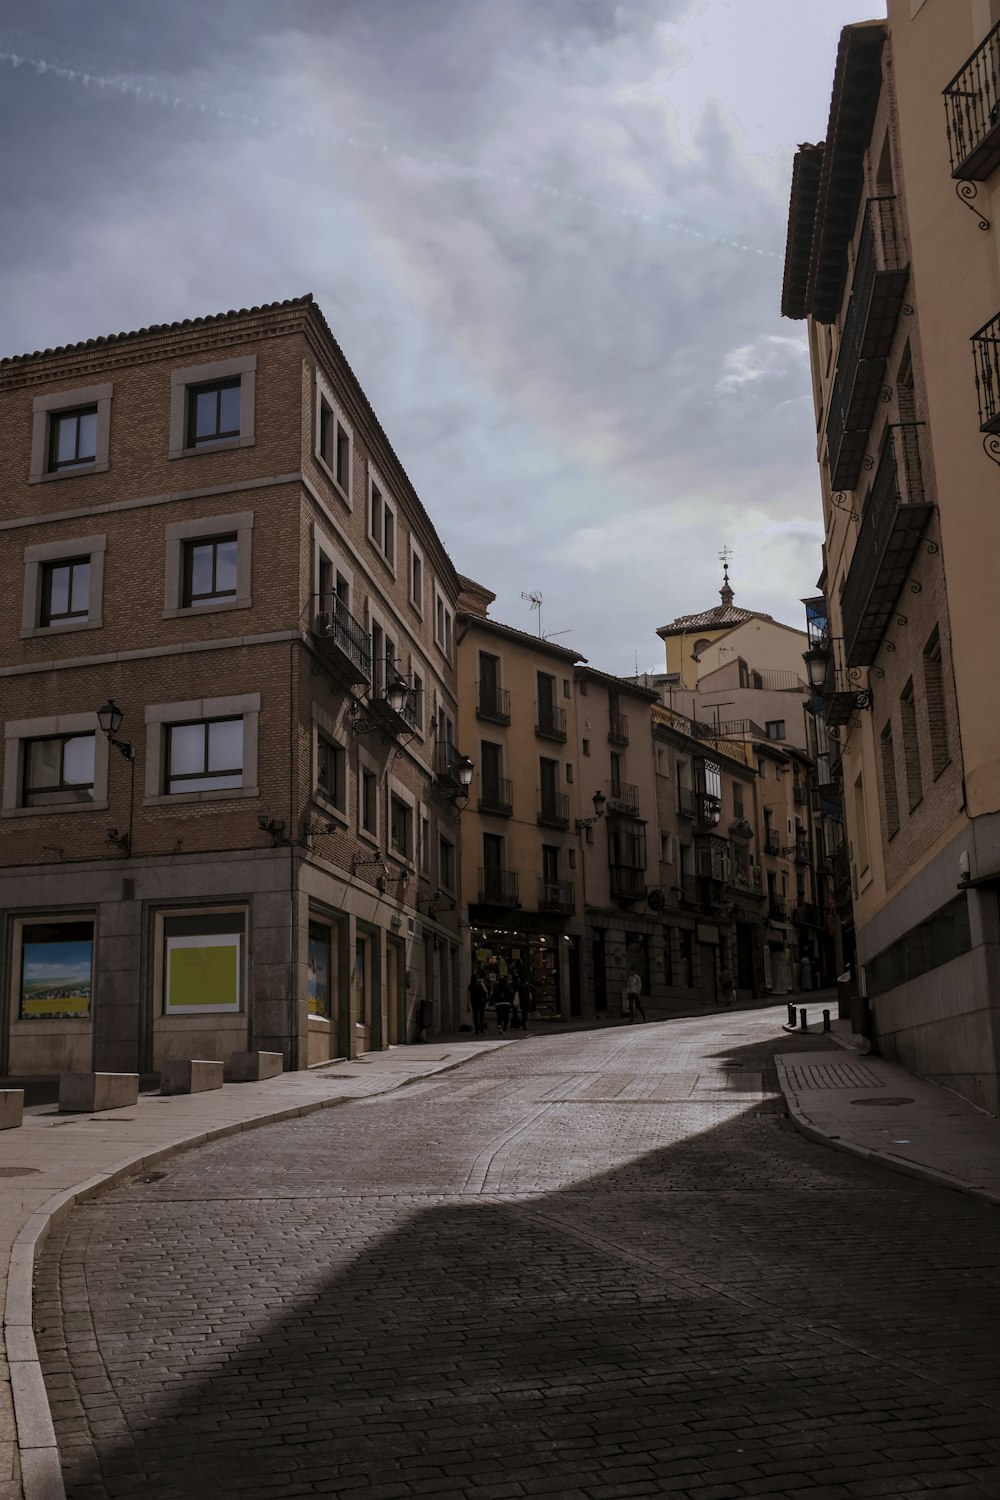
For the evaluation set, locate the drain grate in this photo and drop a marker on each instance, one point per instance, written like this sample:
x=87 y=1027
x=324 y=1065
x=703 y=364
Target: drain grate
x=872 y=1102
x=838 y=1075
x=19 y=1171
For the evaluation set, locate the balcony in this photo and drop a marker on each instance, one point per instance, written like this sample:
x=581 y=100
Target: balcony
x=687 y=802
x=880 y=278
x=627 y=884
x=799 y=791
x=492 y=703
x=553 y=810
x=380 y=712
x=343 y=644
x=807 y=915
x=986 y=353
x=893 y=521
x=498 y=888
x=556 y=895
x=972 y=110
x=776 y=909
x=803 y=851
x=550 y=722
x=452 y=769
x=772 y=841
x=618 y=728
x=496 y=796
x=623 y=798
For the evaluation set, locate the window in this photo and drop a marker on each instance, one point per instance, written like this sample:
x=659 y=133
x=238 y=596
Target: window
x=567 y=692
x=860 y=825
x=208 y=564
x=331 y=771
x=205 y=756
x=369 y=802
x=212 y=406
x=205 y=748
x=59 y=770
x=210 y=571
x=56 y=763
x=362 y=979
x=443 y=624
x=70 y=433
x=65 y=591
x=202 y=962
x=425 y=845
x=213 y=413
x=73 y=438
x=937 y=721
x=54 y=968
x=381 y=520
x=890 y=800
x=569 y=773
x=775 y=729
x=417 y=699
x=401 y=827
x=911 y=745
x=334 y=439
x=586 y=747
x=319 y=968
x=416 y=579
x=737 y=799
x=446 y=864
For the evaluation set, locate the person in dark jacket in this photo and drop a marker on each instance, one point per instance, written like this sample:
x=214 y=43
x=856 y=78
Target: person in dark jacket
x=478 y=996
x=503 y=1001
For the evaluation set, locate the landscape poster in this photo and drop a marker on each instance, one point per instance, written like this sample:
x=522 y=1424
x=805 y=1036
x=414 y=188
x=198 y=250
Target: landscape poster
x=57 y=964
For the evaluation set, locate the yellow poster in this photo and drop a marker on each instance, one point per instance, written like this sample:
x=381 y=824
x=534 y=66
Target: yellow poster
x=203 y=972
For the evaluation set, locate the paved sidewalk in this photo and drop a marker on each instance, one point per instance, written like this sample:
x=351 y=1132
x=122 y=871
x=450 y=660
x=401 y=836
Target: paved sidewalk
x=878 y=1110
x=43 y=1174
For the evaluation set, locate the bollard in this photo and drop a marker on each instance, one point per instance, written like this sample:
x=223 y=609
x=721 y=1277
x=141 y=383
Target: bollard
x=803 y=1020
x=826 y=1020
x=791 y=1015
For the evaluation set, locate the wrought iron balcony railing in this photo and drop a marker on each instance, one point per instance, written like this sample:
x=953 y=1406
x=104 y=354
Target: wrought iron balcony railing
x=986 y=353
x=972 y=110
x=556 y=895
x=618 y=728
x=626 y=883
x=772 y=841
x=623 y=797
x=498 y=887
x=553 y=809
x=496 y=795
x=880 y=278
x=776 y=908
x=492 y=703
x=799 y=791
x=687 y=802
x=893 y=520
x=344 y=643
x=803 y=849
x=807 y=915
x=550 y=722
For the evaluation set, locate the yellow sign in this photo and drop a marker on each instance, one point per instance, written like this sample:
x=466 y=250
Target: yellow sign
x=203 y=972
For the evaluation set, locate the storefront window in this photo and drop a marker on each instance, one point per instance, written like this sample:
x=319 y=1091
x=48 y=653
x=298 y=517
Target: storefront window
x=203 y=962
x=497 y=951
x=362 y=980
x=57 y=967
x=319 y=967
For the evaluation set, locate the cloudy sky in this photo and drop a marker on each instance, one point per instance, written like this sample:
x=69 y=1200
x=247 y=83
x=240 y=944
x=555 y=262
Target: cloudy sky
x=547 y=233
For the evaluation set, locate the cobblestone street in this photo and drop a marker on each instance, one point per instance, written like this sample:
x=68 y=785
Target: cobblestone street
x=595 y=1265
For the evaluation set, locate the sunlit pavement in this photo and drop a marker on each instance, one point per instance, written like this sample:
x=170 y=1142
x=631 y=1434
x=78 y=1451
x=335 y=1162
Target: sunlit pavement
x=598 y=1264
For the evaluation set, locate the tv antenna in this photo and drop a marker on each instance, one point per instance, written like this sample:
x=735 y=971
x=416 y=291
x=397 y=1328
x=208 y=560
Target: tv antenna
x=535 y=600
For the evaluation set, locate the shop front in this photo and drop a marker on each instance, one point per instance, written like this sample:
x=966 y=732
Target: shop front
x=543 y=957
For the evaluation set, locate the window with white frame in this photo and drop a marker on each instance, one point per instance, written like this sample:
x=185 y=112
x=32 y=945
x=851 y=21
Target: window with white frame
x=54 y=764
x=212 y=406
x=416 y=578
x=443 y=623
x=381 y=519
x=208 y=565
x=202 y=961
x=334 y=439
x=202 y=749
x=63 y=586
x=71 y=433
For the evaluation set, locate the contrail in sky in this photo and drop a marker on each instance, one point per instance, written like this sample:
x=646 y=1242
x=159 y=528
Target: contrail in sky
x=129 y=87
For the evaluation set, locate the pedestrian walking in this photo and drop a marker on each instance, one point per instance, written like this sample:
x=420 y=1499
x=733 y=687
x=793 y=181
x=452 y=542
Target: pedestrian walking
x=526 y=1000
x=478 y=996
x=805 y=973
x=633 y=991
x=727 y=986
x=503 y=1002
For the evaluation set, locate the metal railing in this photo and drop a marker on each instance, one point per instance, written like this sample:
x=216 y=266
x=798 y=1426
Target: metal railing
x=336 y=623
x=623 y=797
x=772 y=841
x=553 y=809
x=898 y=482
x=496 y=795
x=550 y=721
x=492 y=703
x=798 y=791
x=627 y=882
x=687 y=802
x=776 y=908
x=972 y=111
x=986 y=353
x=556 y=895
x=803 y=849
x=807 y=915
x=498 y=887
x=618 y=730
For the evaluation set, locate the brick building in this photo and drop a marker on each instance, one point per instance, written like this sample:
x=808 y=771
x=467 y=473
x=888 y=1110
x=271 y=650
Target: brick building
x=207 y=534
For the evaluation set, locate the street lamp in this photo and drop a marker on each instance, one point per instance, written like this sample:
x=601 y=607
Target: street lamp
x=817 y=660
x=600 y=802
x=396 y=694
x=462 y=768
x=109 y=717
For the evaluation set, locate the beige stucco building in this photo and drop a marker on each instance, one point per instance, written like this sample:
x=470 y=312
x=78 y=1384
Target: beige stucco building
x=892 y=258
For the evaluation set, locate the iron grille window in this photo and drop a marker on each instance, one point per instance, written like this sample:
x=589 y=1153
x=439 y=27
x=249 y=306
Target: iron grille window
x=205 y=755
x=59 y=769
x=73 y=438
x=213 y=414
x=210 y=571
x=65 y=591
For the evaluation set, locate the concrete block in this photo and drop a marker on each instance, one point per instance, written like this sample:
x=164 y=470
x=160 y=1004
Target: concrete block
x=88 y=1093
x=11 y=1108
x=190 y=1075
x=251 y=1067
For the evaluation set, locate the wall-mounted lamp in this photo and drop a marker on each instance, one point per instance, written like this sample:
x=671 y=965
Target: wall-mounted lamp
x=109 y=717
x=600 y=803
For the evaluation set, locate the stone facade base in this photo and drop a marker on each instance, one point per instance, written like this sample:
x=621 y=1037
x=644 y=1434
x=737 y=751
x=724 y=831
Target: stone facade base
x=190 y=1075
x=251 y=1067
x=11 y=1108
x=87 y=1093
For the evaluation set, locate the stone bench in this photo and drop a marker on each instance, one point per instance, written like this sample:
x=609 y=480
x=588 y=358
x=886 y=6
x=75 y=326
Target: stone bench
x=190 y=1075
x=89 y=1093
x=252 y=1067
x=11 y=1108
